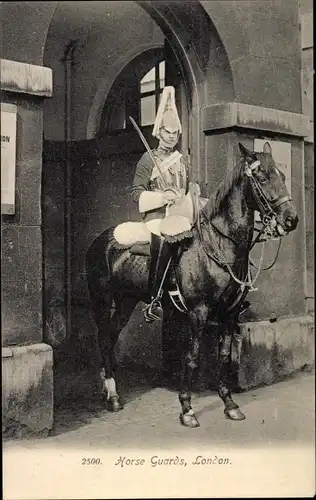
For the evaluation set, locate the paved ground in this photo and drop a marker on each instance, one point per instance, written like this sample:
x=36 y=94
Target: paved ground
x=277 y=414
x=279 y=417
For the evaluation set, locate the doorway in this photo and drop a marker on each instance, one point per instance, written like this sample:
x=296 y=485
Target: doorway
x=102 y=169
x=102 y=183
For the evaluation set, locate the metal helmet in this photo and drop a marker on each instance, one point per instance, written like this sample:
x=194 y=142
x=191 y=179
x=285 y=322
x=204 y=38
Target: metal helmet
x=167 y=114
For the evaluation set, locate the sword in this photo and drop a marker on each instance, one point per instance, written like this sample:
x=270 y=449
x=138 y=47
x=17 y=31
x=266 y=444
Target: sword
x=149 y=151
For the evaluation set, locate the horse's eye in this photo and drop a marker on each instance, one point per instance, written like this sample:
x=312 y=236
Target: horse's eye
x=263 y=179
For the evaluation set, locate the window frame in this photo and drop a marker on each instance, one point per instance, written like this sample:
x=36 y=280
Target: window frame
x=157 y=90
x=127 y=87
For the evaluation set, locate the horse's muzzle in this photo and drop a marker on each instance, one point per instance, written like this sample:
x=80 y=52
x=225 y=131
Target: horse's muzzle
x=291 y=222
x=288 y=224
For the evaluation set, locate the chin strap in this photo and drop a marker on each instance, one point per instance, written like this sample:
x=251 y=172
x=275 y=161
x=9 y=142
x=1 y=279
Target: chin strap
x=164 y=148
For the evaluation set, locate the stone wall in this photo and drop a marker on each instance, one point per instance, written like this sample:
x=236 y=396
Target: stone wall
x=102 y=173
x=21 y=232
x=53 y=232
x=310 y=223
x=222 y=153
x=262 y=41
x=306 y=18
x=26 y=361
x=244 y=54
x=107 y=41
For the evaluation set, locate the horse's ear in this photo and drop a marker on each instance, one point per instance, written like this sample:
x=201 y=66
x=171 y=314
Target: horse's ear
x=267 y=148
x=247 y=154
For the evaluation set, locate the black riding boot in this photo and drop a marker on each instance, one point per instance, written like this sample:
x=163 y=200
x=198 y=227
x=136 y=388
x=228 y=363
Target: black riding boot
x=160 y=255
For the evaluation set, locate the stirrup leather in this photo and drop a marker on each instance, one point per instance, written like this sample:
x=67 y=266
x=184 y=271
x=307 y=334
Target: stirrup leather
x=159 y=267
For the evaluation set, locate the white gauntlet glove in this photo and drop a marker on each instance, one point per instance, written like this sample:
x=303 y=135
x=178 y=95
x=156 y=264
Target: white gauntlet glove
x=149 y=200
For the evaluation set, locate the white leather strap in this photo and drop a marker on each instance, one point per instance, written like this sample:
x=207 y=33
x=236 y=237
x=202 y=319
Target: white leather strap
x=166 y=164
x=254 y=165
x=250 y=168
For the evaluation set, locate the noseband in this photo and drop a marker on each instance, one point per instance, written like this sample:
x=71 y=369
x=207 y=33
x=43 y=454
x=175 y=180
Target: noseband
x=265 y=206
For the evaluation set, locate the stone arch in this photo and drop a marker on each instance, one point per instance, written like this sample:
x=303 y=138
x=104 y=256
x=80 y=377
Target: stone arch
x=27 y=43
x=105 y=85
x=189 y=67
x=201 y=55
x=203 y=58
x=252 y=77
x=198 y=45
x=25 y=28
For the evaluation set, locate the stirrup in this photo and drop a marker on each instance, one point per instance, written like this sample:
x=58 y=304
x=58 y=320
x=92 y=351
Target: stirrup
x=153 y=311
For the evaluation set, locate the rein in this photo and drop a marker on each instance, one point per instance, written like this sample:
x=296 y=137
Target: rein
x=220 y=259
x=274 y=260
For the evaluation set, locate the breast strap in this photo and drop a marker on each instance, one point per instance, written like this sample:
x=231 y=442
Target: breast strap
x=166 y=164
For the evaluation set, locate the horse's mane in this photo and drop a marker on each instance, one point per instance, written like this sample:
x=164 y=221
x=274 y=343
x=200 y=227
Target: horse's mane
x=216 y=199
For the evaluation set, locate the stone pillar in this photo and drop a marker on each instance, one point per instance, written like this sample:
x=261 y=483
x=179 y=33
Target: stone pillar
x=27 y=396
x=306 y=18
x=277 y=335
x=229 y=123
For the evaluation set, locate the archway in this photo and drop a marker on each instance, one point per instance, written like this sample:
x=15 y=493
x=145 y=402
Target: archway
x=85 y=179
x=248 y=70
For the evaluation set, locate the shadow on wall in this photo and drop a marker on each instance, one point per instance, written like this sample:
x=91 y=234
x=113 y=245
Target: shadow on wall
x=102 y=172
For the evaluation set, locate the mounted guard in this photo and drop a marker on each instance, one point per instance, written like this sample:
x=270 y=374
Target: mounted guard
x=213 y=273
x=166 y=199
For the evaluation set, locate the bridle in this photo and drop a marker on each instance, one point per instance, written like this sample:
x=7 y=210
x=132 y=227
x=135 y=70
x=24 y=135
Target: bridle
x=269 y=224
x=264 y=206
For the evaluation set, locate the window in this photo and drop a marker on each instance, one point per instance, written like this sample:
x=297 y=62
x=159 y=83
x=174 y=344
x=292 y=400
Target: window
x=151 y=86
x=136 y=92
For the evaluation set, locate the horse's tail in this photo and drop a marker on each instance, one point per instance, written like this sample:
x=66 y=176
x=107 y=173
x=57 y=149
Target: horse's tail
x=97 y=263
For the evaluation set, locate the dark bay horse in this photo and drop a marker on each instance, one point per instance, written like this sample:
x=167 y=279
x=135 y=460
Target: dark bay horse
x=212 y=273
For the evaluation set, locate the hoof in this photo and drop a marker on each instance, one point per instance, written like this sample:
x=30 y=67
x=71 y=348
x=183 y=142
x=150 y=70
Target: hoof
x=234 y=414
x=189 y=420
x=114 y=404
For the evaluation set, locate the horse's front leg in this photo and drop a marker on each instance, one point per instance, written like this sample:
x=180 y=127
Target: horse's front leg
x=232 y=410
x=190 y=361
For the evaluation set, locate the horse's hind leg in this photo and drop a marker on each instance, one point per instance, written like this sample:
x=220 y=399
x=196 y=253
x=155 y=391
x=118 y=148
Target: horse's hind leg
x=190 y=362
x=109 y=328
x=102 y=312
x=232 y=410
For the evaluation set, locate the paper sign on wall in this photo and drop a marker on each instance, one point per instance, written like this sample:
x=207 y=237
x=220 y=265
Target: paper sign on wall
x=8 y=157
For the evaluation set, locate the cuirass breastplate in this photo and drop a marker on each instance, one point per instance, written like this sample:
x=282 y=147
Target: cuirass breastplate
x=175 y=173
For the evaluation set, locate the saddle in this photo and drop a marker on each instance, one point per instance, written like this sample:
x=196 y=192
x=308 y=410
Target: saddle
x=176 y=227
x=173 y=227
x=180 y=218
x=142 y=249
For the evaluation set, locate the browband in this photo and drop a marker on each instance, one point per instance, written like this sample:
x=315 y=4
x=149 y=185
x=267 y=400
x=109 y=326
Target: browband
x=254 y=165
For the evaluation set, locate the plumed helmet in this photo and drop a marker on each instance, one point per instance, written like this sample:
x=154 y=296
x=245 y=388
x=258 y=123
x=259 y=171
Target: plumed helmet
x=167 y=114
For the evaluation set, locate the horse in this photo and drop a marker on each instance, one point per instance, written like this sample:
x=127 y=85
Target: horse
x=212 y=273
